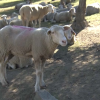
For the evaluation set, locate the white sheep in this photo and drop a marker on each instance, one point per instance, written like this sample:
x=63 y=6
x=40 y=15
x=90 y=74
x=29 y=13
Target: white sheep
x=49 y=17
x=69 y=6
x=16 y=22
x=34 y=12
x=64 y=15
x=72 y=39
x=20 y=61
x=14 y=14
x=93 y=8
x=38 y=43
x=3 y=21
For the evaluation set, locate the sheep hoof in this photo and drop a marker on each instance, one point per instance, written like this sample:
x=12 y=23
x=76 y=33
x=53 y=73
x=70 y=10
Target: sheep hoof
x=6 y=84
x=43 y=87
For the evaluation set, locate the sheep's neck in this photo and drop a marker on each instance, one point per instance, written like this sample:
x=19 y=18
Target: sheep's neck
x=51 y=47
x=45 y=10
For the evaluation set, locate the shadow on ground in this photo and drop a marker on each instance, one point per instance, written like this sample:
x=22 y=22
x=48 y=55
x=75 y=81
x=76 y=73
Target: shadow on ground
x=72 y=74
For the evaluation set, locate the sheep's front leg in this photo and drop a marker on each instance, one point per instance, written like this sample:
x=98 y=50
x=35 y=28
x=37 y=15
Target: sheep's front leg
x=42 y=83
x=38 y=74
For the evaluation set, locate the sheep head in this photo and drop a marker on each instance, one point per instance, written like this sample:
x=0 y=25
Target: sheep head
x=50 y=8
x=57 y=35
x=69 y=34
x=4 y=17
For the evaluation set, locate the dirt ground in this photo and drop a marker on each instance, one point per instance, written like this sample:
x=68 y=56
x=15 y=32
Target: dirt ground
x=72 y=74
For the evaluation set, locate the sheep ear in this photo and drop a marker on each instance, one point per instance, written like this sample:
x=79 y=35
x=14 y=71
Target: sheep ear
x=66 y=27
x=49 y=32
x=3 y=16
x=54 y=7
x=73 y=32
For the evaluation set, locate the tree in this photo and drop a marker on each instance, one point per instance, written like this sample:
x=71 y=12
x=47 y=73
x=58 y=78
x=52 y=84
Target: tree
x=80 y=22
x=63 y=3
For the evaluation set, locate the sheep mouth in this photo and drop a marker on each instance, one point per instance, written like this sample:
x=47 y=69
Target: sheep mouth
x=63 y=43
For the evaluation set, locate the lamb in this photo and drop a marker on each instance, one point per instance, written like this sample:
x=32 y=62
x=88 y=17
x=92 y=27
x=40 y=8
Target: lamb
x=4 y=21
x=37 y=43
x=93 y=8
x=65 y=15
x=34 y=12
x=20 y=61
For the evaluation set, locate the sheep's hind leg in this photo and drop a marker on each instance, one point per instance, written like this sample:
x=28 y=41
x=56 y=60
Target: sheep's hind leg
x=3 y=78
x=39 y=22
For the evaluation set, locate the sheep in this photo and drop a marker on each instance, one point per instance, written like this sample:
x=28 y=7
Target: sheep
x=20 y=61
x=14 y=14
x=4 y=21
x=60 y=6
x=69 y=6
x=34 y=12
x=93 y=8
x=42 y=3
x=49 y=17
x=37 y=43
x=65 y=15
x=16 y=22
x=19 y=22
x=72 y=39
x=19 y=5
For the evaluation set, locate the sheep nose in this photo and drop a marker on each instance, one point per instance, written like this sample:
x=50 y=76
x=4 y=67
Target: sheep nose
x=63 y=41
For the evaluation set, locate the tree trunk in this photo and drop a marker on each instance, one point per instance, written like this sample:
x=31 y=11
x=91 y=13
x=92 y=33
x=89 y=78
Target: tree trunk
x=80 y=22
x=63 y=3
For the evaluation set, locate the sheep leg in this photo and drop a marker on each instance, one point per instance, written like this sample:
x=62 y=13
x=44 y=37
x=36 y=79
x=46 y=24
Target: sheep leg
x=27 y=22
x=23 y=21
x=38 y=74
x=3 y=78
x=35 y=23
x=42 y=83
x=39 y=22
x=13 y=66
